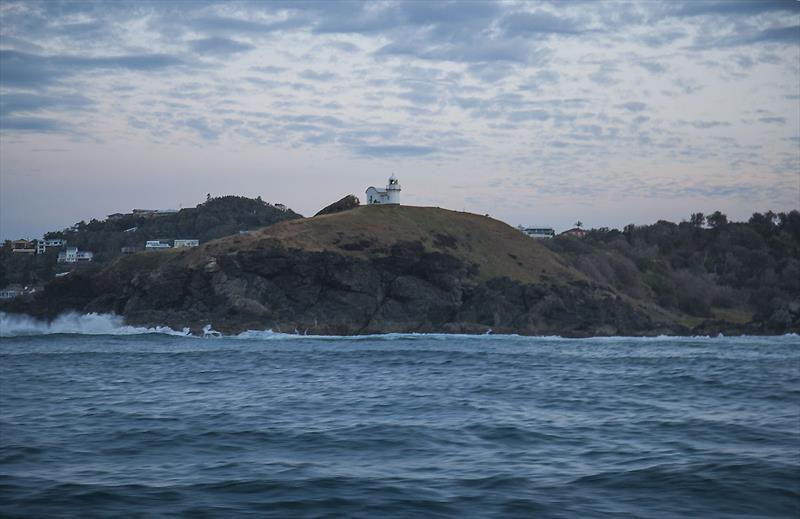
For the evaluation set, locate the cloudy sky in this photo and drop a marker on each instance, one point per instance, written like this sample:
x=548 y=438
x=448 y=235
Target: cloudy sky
x=536 y=113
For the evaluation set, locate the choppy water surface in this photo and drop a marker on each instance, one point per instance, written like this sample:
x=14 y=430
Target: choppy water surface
x=399 y=426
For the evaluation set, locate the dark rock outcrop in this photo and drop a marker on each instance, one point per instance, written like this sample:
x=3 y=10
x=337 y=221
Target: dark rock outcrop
x=374 y=270
x=345 y=204
x=408 y=289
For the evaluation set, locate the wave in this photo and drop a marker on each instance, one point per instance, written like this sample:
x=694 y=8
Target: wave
x=19 y=325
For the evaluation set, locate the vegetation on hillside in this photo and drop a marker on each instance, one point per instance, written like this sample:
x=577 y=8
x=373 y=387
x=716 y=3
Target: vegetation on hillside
x=706 y=267
x=493 y=247
x=215 y=218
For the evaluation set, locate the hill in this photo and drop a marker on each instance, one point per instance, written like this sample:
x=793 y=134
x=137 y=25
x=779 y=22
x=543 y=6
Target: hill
x=376 y=269
x=370 y=269
x=215 y=218
x=716 y=277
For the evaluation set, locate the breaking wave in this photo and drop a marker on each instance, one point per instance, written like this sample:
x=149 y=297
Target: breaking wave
x=16 y=325
x=19 y=325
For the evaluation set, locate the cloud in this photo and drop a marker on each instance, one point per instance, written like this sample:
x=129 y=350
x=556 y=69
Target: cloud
x=20 y=69
x=24 y=102
x=313 y=75
x=781 y=35
x=704 y=125
x=539 y=22
x=201 y=127
x=633 y=106
x=226 y=25
x=218 y=46
x=32 y=124
x=773 y=120
x=660 y=39
x=652 y=66
x=529 y=115
x=738 y=7
x=603 y=74
x=467 y=50
x=270 y=69
x=396 y=150
x=344 y=46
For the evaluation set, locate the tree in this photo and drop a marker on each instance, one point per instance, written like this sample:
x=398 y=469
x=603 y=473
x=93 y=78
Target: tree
x=697 y=219
x=579 y=224
x=716 y=219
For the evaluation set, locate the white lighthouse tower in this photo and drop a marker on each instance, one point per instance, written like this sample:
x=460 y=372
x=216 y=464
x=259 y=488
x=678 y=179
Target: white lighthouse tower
x=390 y=195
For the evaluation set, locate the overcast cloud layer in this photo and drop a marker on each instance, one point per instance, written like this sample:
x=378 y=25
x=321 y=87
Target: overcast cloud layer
x=536 y=113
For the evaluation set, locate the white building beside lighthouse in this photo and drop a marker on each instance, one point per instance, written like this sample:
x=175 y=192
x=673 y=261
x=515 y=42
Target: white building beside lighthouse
x=390 y=195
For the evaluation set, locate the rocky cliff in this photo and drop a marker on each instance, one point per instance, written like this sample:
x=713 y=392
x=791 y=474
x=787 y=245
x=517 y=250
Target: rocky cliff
x=371 y=269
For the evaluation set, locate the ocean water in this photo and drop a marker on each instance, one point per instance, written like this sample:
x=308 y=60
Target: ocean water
x=117 y=421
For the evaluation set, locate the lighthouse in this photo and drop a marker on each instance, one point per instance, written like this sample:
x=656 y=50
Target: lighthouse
x=390 y=195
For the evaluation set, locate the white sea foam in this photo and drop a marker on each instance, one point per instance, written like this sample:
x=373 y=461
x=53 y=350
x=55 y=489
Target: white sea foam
x=15 y=325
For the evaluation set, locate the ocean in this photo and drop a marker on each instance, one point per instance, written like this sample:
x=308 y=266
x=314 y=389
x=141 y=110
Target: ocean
x=100 y=420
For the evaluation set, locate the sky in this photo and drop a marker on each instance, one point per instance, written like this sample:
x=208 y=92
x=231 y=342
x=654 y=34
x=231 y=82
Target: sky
x=536 y=113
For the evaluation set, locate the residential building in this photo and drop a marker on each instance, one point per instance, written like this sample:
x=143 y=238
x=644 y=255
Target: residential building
x=11 y=291
x=152 y=213
x=73 y=255
x=185 y=243
x=43 y=244
x=575 y=231
x=156 y=244
x=24 y=246
x=540 y=233
x=129 y=250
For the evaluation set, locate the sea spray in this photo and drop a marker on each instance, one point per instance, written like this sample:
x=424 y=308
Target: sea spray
x=15 y=325
x=18 y=325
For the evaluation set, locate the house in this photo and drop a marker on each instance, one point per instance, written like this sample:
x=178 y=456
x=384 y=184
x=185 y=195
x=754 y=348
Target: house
x=280 y=207
x=43 y=244
x=128 y=250
x=540 y=233
x=24 y=246
x=11 y=291
x=156 y=244
x=575 y=231
x=152 y=213
x=390 y=195
x=73 y=255
x=186 y=243
x=116 y=216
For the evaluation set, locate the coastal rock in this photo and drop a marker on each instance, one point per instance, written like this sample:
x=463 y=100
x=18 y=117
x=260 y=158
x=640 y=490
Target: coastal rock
x=306 y=276
x=345 y=204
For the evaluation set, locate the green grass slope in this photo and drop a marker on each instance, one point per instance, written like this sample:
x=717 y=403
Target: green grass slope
x=495 y=248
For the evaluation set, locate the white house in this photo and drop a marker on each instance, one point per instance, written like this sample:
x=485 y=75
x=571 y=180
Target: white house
x=73 y=255
x=538 y=232
x=390 y=195
x=156 y=244
x=186 y=243
x=11 y=292
x=43 y=244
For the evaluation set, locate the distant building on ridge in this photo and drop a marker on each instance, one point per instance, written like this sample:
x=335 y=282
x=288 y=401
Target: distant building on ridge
x=575 y=231
x=540 y=233
x=390 y=195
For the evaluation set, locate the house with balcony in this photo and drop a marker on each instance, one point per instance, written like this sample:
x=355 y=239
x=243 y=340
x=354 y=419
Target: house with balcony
x=73 y=255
